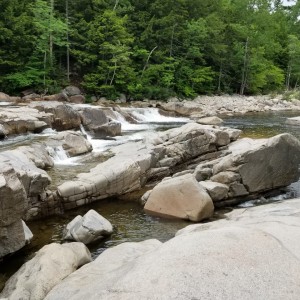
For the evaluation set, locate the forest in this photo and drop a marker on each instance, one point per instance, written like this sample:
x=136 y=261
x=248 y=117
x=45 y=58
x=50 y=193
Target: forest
x=149 y=49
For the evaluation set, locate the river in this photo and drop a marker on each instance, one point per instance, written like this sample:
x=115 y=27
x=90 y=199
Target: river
x=130 y=222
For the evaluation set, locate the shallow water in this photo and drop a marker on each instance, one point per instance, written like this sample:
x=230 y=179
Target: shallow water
x=128 y=218
x=263 y=125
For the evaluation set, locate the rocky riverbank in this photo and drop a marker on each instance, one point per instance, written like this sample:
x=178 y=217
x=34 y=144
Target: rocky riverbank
x=257 y=249
x=188 y=171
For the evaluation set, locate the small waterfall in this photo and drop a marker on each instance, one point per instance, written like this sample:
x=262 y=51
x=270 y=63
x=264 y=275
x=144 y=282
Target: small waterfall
x=152 y=115
x=59 y=155
x=83 y=131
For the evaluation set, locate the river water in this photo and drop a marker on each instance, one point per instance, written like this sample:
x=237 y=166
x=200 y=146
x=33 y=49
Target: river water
x=130 y=222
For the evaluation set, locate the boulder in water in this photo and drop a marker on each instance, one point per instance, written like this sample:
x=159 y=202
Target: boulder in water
x=210 y=121
x=89 y=228
x=181 y=197
x=256 y=248
x=63 y=116
x=74 y=143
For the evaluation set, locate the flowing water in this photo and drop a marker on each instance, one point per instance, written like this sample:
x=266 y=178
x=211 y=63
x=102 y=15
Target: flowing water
x=128 y=218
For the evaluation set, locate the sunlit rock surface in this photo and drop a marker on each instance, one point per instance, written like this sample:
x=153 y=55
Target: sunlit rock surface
x=252 y=254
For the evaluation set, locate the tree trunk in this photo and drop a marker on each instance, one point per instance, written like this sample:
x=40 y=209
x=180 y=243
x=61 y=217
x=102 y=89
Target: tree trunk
x=114 y=74
x=147 y=61
x=220 y=77
x=245 y=69
x=68 y=46
x=51 y=33
x=288 y=77
x=172 y=40
x=116 y=5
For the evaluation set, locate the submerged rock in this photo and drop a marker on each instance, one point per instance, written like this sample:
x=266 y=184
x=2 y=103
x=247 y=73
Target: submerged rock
x=49 y=267
x=181 y=197
x=210 y=121
x=258 y=249
x=89 y=228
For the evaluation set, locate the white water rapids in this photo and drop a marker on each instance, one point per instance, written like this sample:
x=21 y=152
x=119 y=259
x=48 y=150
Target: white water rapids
x=147 y=120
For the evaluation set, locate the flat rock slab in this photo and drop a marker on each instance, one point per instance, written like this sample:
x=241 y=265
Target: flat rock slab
x=255 y=254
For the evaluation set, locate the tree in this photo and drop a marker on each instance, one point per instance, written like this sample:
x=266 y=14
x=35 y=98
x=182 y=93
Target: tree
x=108 y=55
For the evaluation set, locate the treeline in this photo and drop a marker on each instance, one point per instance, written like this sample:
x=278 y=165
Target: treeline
x=149 y=48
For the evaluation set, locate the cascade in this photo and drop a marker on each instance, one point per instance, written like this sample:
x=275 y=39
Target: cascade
x=152 y=115
x=59 y=155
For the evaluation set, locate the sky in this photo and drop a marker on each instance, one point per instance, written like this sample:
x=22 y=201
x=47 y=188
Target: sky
x=286 y=2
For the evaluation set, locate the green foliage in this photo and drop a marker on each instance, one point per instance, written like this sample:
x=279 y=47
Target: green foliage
x=150 y=49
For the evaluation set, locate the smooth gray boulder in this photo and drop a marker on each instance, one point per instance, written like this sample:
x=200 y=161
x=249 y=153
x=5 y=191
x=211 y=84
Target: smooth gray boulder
x=263 y=164
x=71 y=90
x=257 y=249
x=111 y=128
x=62 y=116
x=252 y=168
x=46 y=269
x=99 y=122
x=180 y=197
x=89 y=228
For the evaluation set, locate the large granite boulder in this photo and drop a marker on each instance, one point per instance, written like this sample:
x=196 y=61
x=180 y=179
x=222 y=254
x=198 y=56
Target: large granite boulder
x=99 y=121
x=89 y=228
x=92 y=116
x=181 y=197
x=13 y=204
x=63 y=116
x=49 y=267
x=18 y=120
x=74 y=143
x=251 y=168
x=257 y=249
x=4 y=97
x=27 y=163
x=111 y=128
x=263 y=164
x=71 y=90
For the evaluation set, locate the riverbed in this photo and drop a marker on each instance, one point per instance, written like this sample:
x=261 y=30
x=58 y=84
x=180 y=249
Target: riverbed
x=130 y=222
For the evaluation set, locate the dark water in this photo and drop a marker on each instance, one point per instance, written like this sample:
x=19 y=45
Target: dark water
x=128 y=218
